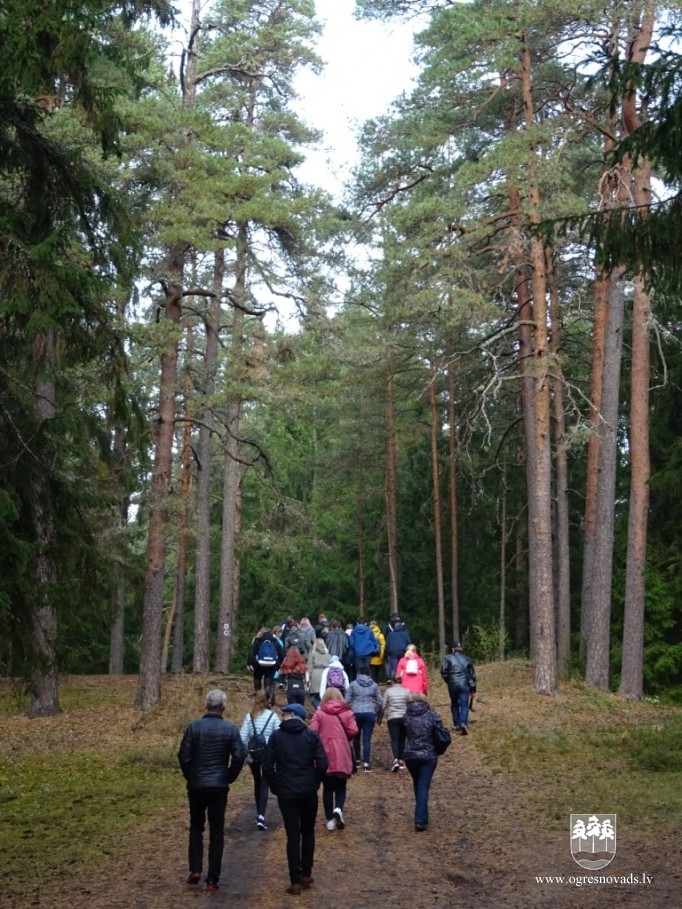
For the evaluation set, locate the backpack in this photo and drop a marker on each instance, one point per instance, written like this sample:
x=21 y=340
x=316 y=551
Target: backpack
x=295 y=684
x=267 y=654
x=335 y=679
x=257 y=741
x=412 y=666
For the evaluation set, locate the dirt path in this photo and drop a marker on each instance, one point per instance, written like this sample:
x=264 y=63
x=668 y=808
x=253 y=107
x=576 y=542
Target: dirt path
x=484 y=850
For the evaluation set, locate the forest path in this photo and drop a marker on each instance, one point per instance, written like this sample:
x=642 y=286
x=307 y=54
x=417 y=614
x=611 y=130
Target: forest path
x=484 y=849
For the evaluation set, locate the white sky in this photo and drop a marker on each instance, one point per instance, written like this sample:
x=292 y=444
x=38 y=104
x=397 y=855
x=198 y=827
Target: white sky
x=368 y=64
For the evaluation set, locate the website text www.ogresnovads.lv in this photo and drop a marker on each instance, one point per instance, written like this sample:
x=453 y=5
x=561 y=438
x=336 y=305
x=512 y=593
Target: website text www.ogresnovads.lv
x=586 y=880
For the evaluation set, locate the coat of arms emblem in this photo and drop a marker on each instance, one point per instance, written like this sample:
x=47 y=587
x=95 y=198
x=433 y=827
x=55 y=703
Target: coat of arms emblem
x=593 y=840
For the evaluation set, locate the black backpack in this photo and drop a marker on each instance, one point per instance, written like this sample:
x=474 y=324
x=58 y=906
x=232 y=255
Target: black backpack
x=257 y=742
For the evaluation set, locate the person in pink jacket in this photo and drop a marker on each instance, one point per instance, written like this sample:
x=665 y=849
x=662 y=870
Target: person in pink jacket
x=335 y=724
x=413 y=671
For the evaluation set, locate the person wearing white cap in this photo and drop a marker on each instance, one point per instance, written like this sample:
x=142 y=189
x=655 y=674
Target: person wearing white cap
x=294 y=764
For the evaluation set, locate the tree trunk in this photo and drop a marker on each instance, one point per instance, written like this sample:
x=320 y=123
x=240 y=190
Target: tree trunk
x=454 y=506
x=562 y=547
x=175 y=623
x=231 y=468
x=599 y=622
x=149 y=681
x=599 y=323
x=435 y=472
x=202 y=591
x=502 y=622
x=540 y=579
x=44 y=677
x=118 y=593
x=632 y=682
x=391 y=495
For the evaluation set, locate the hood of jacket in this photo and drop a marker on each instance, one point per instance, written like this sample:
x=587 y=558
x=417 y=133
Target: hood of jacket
x=364 y=681
x=335 y=661
x=334 y=708
x=293 y=725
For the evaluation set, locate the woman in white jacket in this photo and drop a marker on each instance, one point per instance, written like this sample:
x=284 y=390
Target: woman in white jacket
x=338 y=676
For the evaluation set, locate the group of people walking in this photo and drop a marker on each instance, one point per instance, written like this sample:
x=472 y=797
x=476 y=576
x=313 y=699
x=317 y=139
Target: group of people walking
x=292 y=758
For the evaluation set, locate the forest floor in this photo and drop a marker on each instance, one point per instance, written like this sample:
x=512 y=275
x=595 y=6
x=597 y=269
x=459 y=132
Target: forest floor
x=500 y=813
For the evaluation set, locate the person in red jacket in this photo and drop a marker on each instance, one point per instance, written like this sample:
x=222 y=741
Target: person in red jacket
x=335 y=724
x=412 y=669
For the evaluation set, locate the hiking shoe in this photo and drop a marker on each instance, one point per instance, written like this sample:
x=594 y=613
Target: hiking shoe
x=395 y=767
x=331 y=824
x=307 y=880
x=464 y=730
x=403 y=765
x=294 y=889
x=260 y=822
x=366 y=768
x=194 y=877
x=212 y=886
x=419 y=828
x=340 y=823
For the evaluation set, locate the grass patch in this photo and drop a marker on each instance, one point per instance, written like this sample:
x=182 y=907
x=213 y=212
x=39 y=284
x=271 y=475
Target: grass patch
x=64 y=812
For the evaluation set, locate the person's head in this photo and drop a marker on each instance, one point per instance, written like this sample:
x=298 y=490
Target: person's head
x=335 y=660
x=293 y=710
x=277 y=631
x=293 y=662
x=331 y=694
x=319 y=646
x=456 y=647
x=411 y=650
x=216 y=699
x=418 y=696
x=322 y=618
x=335 y=623
x=364 y=670
x=262 y=631
x=305 y=622
x=398 y=679
x=374 y=625
x=261 y=702
x=360 y=620
x=395 y=617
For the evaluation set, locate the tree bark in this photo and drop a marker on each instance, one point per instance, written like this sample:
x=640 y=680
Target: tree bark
x=454 y=505
x=632 y=670
x=599 y=624
x=435 y=473
x=540 y=580
x=391 y=495
x=44 y=677
x=202 y=590
x=562 y=547
x=149 y=681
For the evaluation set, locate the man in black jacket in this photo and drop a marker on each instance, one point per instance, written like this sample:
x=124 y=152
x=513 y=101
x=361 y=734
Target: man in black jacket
x=459 y=675
x=211 y=755
x=294 y=764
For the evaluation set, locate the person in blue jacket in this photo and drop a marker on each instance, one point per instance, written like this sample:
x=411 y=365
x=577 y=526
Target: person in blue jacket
x=397 y=642
x=363 y=645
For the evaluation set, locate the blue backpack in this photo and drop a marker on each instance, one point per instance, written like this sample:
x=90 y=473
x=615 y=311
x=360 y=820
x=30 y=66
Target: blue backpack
x=267 y=654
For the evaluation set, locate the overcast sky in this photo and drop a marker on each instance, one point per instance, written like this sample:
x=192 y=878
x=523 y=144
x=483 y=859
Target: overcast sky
x=368 y=64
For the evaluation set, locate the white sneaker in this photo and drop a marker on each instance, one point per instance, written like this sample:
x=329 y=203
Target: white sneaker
x=331 y=825
x=340 y=823
x=260 y=822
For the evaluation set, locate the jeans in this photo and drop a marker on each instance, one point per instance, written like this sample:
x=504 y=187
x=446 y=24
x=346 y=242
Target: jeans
x=396 y=731
x=203 y=803
x=299 y=817
x=261 y=790
x=393 y=664
x=421 y=772
x=365 y=723
x=459 y=704
x=333 y=794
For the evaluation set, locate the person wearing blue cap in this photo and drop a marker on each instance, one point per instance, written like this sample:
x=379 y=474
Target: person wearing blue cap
x=294 y=765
